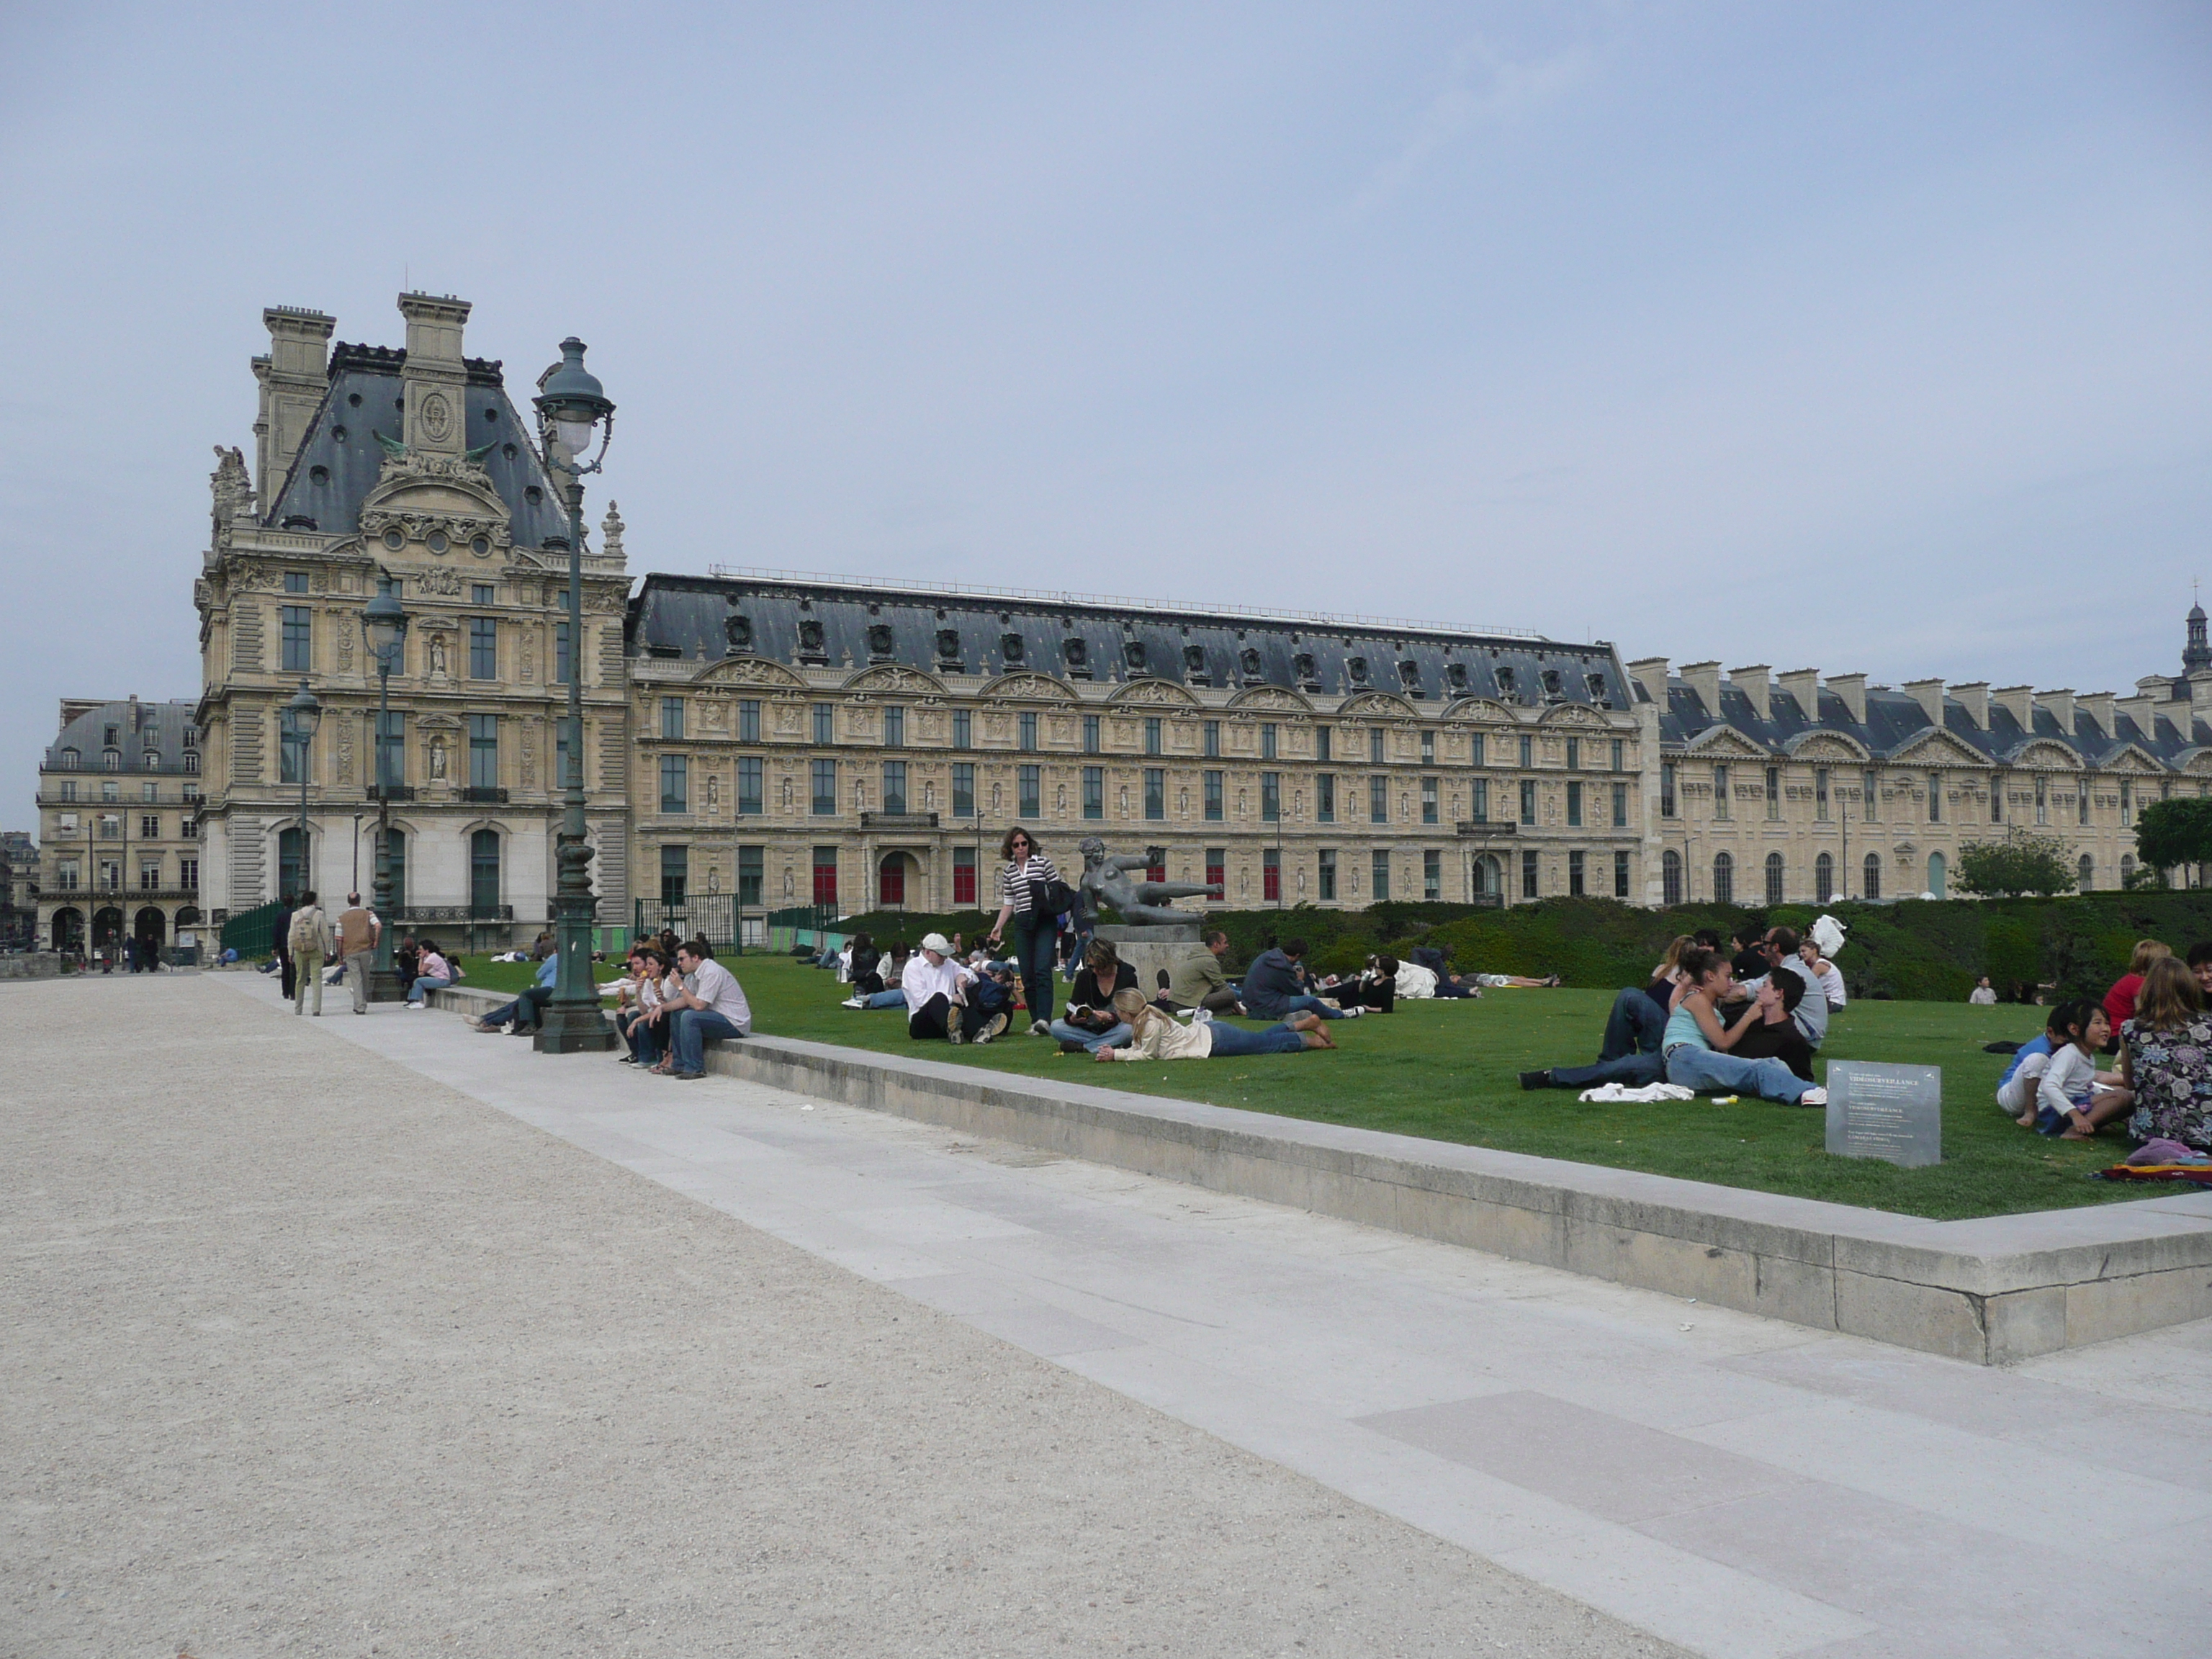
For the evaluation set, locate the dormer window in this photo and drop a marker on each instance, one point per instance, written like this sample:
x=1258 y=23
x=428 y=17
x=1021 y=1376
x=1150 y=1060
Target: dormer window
x=1552 y=690
x=1248 y=661
x=1409 y=675
x=879 y=641
x=1455 y=675
x=739 y=631
x=810 y=640
x=1077 y=655
x=1308 y=675
x=948 y=645
x=69 y=757
x=151 y=760
x=1508 y=683
x=1009 y=648
x=1133 y=652
x=111 y=759
x=1357 y=668
x=1596 y=684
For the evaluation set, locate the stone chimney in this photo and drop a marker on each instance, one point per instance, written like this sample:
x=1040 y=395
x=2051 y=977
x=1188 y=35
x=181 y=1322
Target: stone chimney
x=1803 y=685
x=1851 y=688
x=1752 y=682
x=437 y=419
x=1974 y=697
x=1705 y=679
x=2061 y=705
x=2142 y=711
x=1929 y=694
x=2099 y=706
x=1650 y=673
x=293 y=377
x=2017 y=700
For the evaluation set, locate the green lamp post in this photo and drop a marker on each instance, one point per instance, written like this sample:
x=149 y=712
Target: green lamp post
x=303 y=714
x=384 y=627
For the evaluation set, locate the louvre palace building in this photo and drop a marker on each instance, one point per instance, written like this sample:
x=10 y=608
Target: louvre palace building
x=758 y=740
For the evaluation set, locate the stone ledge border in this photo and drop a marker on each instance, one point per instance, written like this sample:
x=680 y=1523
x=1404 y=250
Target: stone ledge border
x=1992 y=1290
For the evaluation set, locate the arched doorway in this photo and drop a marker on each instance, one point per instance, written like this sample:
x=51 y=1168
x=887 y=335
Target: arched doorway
x=1938 y=871
x=291 y=866
x=68 y=930
x=106 y=931
x=151 y=929
x=891 y=882
x=1489 y=877
x=483 y=873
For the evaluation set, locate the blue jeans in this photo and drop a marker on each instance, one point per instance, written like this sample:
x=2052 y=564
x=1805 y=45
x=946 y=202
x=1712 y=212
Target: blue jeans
x=1635 y=1026
x=1234 y=1040
x=693 y=1027
x=646 y=1038
x=1706 y=1068
x=1113 y=1038
x=1633 y=1070
x=892 y=999
x=1301 y=1005
x=1032 y=942
x=414 y=991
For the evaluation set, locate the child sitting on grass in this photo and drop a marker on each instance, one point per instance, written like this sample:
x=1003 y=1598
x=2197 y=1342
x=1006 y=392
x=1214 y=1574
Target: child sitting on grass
x=2063 y=1095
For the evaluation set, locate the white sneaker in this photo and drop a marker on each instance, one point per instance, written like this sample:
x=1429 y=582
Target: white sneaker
x=854 y=1002
x=1814 y=1097
x=1038 y=1028
x=1201 y=1016
x=1353 y=1013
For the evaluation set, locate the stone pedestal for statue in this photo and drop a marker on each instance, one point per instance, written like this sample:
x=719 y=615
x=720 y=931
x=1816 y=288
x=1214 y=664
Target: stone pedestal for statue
x=1152 y=947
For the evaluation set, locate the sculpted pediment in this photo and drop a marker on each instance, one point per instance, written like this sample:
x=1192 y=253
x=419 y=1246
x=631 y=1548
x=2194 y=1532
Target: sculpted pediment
x=418 y=495
x=2197 y=761
x=1479 y=708
x=1825 y=746
x=1569 y=714
x=1934 y=748
x=750 y=670
x=1035 y=687
x=1724 y=742
x=890 y=678
x=2131 y=757
x=1377 y=702
x=1157 y=693
x=1271 y=697
x=2042 y=752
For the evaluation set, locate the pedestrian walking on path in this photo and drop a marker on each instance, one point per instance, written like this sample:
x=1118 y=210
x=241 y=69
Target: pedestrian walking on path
x=312 y=942
x=357 y=930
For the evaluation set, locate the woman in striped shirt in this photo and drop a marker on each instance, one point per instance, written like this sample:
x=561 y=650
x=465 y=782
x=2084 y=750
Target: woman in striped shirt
x=1022 y=883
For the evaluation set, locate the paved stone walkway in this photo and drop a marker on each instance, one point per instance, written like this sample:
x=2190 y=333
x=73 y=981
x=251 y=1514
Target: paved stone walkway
x=1730 y=1484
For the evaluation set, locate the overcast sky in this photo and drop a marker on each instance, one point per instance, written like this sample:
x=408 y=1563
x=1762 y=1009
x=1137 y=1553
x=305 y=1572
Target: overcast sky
x=1864 y=336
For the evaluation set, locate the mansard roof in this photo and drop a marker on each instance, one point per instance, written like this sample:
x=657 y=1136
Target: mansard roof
x=140 y=727
x=843 y=622
x=339 y=459
x=1895 y=724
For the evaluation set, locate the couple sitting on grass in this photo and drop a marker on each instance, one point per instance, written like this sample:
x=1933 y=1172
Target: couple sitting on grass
x=2163 y=1084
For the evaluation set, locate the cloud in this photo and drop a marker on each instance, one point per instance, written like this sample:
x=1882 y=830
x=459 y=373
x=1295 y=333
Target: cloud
x=1483 y=87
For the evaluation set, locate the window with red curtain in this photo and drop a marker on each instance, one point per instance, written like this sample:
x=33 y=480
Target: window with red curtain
x=1157 y=871
x=1217 y=869
x=1271 y=875
x=890 y=881
x=963 y=875
x=825 y=876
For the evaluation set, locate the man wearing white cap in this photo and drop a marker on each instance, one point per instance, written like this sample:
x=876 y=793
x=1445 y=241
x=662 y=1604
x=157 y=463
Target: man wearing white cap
x=933 y=983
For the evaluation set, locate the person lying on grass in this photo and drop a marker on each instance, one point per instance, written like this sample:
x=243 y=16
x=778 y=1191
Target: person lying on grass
x=1156 y=1035
x=1696 y=1048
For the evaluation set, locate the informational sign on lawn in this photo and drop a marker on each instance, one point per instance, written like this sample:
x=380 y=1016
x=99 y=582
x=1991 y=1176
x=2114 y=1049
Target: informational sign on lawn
x=1891 y=1112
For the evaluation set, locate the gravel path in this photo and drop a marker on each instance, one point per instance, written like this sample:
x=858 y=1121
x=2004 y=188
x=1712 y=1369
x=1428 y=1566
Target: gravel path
x=308 y=1355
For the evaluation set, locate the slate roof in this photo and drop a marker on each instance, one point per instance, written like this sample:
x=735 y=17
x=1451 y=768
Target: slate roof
x=339 y=458
x=829 y=622
x=160 y=726
x=1895 y=720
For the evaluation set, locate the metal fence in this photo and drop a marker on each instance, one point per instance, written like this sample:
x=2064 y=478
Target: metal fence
x=711 y=916
x=252 y=932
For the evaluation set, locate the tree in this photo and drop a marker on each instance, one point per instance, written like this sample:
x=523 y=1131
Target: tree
x=2005 y=869
x=2171 y=833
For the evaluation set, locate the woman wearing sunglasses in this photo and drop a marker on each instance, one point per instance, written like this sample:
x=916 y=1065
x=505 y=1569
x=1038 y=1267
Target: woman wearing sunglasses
x=1023 y=882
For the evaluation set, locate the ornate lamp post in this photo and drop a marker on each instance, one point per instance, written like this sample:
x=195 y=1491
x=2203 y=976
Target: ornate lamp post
x=384 y=626
x=305 y=715
x=570 y=403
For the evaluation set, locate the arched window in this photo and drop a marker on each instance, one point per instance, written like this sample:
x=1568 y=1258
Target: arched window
x=1723 y=878
x=1489 y=876
x=1774 y=878
x=890 y=881
x=1670 y=876
x=2085 y=873
x=484 y=872
x=1870 y=877
x=1937 y=872
x=2127 y=868
x=291 y=868
x=1824 y=879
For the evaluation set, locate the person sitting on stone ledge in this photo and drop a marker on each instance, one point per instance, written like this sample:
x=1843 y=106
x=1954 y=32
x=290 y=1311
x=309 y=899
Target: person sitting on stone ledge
x=1156 y=1035
x=432 y=973
x=521 y=1017
x=1090 y=1022
x=1276 y=986
x=709 y=1004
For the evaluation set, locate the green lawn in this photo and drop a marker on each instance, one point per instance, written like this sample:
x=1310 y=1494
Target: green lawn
x=1447 y=1071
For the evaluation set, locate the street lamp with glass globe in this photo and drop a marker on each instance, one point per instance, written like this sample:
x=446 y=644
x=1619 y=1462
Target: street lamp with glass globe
x=384 y=627
x=571 y=404
x=304 y=715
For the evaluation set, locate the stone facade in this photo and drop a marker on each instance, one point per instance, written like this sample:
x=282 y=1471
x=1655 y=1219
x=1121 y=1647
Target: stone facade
x=19 y=903
x=412 y=466
x=119 y=796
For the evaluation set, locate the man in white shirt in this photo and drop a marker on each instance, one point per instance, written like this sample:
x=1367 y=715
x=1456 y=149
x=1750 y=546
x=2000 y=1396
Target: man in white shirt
x=712 y=1004
x=932 y=984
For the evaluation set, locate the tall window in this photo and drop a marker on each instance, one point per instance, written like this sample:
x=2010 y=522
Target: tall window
x=1870 y=877
x=1620 y=806
x=1210 y=734
x=1322 y=744
x=749 y=720
x=963 y=877
x=1824 y=879
x=894 y=727
x=1935 y=798
x=1433 y=875
x=1667 y=789
x=1325 y=797
x=1574 y=805
x=1152 y=735
x=825 y=876
x=1428 y=747
x=1723 y=878
x=890 y=881
x=1529 y=886
x=1267 y=740
x=1474 y=747
x=1870 y=796
x=561 y=654
x=1378 y=800
x=1670 y=876
x=1271 y=875
x=1720 y=791
x=1528 y=751
x=291 y=868
x=1489 y=877
x=1576 y=873
x=1478 y=800
x=1621 y=875
x=964 y=789
x=188 y=874
x=1774 y=878
x=1820 y=794
x=1028 y=733
x=1217 y=869
x=484 y=872
x=299 y=638
x=751 y=874
x=1528 y=800
x=960 y=730
x=149 y=826
x=675 y=872
x=2127 y=800
x=895 y=787
x=1574 y=754
x=675 y=784
x=824 y=781
x=1375 y=742
x=750 y=803
x=1996 y=798
x=1030 y=790
x=483 y=648
x=1773 y=793
x=825 y=723
x=291 y=751
x=2085 y=873
x=1271 y=797
x=1094 y=792
x=1620 y=754
x=1380 y=875
x=672 y=719
x=1091 y=739
x=2042 y=799
x=1327 y=873
x=1428 y=800
x=483 y=751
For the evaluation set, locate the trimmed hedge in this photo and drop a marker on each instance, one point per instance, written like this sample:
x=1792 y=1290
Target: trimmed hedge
x=1916 y=950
